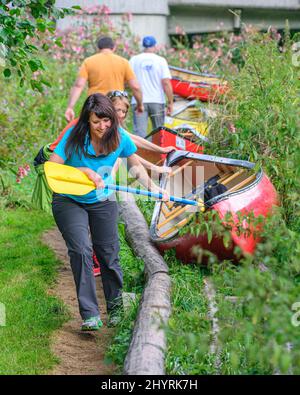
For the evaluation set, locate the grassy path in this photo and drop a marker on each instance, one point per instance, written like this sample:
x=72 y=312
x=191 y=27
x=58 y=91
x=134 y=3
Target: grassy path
x=39 y=330
x=79 y=353
x=27 y=270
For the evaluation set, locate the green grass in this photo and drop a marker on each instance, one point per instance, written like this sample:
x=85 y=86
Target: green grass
x=133 y=272
x=132 y=266
x=188 y=322
x=27 y=271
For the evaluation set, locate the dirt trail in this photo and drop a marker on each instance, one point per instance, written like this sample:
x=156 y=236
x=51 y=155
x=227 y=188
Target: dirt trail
x=79 y=353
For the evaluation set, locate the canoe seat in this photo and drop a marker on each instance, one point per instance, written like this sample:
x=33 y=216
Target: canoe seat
x=164 y=210
x=243 y=183
x=169 y=205
x=178 y=226
x=233 y=176
x=224 y=177
x=167 y=213
x=173 y=173
x=172 y=216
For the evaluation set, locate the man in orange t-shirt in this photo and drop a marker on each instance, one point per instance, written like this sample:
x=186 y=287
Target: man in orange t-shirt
x=104 y=72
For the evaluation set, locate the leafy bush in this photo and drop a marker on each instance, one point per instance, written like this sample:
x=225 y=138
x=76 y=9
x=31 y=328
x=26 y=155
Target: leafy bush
x=264 y=109
x=20 y=22
x=260 y=123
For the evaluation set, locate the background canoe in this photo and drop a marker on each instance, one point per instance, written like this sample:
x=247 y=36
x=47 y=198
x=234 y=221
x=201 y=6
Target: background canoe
x=191 y=85
x=187 y=140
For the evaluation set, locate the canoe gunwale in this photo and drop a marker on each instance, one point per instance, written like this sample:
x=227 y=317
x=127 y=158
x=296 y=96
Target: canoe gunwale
x=175 y=156
x=187 y=105
x=174 y=131
x=197 y=84
x=193 y=72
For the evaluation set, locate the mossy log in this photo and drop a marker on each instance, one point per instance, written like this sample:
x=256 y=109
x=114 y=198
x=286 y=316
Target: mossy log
x=146 y=353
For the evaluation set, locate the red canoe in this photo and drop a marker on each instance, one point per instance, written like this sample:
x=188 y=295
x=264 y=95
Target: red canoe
x=192 y=85
x=227 y=185
x=182 y=139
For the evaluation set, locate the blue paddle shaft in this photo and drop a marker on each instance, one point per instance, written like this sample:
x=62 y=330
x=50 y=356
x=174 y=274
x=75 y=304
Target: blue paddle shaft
x=150 y=194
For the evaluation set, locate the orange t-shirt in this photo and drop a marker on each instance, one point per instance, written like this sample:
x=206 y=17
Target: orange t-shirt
x=106 y=72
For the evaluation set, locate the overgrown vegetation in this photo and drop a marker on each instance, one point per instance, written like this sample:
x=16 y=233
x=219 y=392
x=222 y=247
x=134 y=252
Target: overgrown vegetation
x=263 y=108
x=257 y=332
x=259 y=122
x=22 y=21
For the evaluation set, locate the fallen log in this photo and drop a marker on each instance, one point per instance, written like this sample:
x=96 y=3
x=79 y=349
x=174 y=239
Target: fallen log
x=146 y=353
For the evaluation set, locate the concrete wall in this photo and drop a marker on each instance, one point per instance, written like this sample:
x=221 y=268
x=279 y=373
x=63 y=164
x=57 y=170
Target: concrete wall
x=148 y=18
x=160 y=17
x=264 y=19
x=198 y=19
x=265 y=4
x=122 y=6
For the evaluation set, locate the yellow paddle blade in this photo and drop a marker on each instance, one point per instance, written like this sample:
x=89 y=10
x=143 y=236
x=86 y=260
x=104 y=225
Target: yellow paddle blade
x=67 y=179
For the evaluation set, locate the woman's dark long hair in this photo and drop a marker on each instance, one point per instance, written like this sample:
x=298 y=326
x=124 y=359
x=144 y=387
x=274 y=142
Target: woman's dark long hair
x=103 y=108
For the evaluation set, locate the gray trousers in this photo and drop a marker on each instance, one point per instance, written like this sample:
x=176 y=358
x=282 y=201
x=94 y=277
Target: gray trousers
x=155 y=111
x=76 y=221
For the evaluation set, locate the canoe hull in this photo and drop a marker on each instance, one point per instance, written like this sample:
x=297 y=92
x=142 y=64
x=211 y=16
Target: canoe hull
x=257 y=199
x=192 y=85
x=194 y=90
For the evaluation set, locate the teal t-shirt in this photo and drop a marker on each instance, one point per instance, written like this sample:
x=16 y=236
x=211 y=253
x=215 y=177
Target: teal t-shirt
x=101 y=164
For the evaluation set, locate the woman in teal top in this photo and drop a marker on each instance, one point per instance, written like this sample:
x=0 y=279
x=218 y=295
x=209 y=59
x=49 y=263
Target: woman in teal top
x=93 y=146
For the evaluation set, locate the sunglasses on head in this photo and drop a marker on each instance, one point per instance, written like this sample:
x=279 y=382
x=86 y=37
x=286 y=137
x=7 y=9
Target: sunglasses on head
x=117 y=94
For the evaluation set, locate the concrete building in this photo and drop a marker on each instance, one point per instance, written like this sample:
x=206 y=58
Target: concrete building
x=161 y=17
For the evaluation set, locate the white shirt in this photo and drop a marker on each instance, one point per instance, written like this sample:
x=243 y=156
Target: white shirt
x=150 y=69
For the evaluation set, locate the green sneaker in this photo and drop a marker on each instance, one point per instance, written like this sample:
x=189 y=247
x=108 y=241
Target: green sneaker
x=92 y=324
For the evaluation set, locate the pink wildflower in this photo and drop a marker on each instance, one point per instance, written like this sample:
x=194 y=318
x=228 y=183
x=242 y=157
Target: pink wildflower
x=179 y=30
x=231 y=128
x=219 y=52
x=105 y=10
x=127 y=17
x=22 y=172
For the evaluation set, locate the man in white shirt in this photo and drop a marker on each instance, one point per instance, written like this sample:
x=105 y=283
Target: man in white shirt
x=152 y=72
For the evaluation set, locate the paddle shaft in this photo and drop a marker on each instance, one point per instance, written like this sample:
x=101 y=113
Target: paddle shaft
x=69 y=180
x=150 y=194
